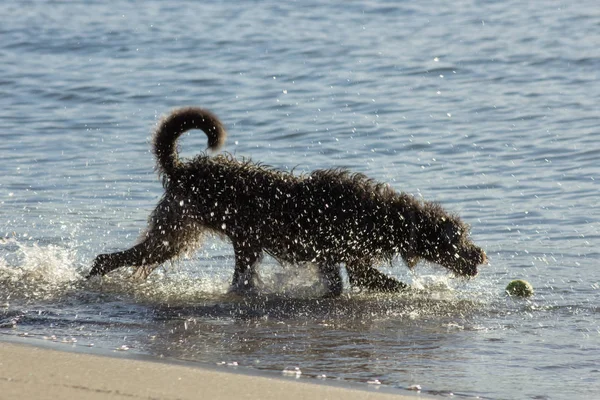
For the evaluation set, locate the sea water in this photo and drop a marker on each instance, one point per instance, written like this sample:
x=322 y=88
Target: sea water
x=490 y=108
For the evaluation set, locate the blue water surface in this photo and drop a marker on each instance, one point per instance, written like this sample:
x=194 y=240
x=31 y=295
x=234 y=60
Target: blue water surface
x=490 y=108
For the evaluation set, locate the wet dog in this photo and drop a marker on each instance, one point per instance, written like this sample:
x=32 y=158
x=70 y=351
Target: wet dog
x=329 y=217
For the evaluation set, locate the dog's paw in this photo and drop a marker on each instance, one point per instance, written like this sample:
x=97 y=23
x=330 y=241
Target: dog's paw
x=142 y=272
x=245 y=287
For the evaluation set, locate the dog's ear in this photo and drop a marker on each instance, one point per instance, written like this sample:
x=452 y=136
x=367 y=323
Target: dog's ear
x=452 y=230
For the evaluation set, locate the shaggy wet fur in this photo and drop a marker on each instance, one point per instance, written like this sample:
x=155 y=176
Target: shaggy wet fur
x=329 y=217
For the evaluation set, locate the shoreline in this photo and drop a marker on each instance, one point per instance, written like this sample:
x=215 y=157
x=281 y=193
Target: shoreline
x=44 y=371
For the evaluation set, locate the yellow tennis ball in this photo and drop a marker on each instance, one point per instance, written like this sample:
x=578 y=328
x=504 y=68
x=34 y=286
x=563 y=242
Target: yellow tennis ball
x=520 y=288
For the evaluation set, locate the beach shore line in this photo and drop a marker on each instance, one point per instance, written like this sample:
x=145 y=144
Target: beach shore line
x=30 y=372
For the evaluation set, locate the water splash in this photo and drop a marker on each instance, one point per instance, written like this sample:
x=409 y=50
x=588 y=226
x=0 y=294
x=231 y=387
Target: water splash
x=32 y=271
x=432 y=283
x=173 y=287
x=187 y=282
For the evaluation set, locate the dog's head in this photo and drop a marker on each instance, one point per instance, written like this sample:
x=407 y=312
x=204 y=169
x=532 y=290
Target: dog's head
x=452 y=248
x=444 y=240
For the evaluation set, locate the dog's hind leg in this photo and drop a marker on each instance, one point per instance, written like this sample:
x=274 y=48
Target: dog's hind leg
x=146 y=254
x=158 y=246
x=247 y=256
x=333 y=279
x=169 y=235
x=363 y=275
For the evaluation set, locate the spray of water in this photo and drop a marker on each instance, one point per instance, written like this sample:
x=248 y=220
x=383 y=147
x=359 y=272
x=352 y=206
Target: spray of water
x=31 y=271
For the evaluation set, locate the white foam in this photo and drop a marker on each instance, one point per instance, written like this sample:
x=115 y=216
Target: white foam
x=30 y=270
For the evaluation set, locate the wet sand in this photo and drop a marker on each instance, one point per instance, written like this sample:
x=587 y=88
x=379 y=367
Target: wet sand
x=28 y=372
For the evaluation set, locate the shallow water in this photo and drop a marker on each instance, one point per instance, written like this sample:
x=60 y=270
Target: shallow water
x=489 y=108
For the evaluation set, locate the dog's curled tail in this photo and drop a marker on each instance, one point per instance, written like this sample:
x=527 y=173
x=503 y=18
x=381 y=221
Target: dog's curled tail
x=173 y=125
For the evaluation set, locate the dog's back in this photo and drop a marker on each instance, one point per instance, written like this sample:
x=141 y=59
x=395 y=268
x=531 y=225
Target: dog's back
x=331 y=216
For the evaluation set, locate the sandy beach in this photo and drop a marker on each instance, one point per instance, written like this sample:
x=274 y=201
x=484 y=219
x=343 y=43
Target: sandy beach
x=28 y=372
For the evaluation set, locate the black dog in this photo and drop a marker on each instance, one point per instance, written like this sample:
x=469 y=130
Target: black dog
x=329 y=217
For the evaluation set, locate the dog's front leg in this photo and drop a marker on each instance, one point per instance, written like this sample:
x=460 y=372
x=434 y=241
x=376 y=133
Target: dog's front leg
x=247 y=257
x=363 y=275
x=333 y=279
